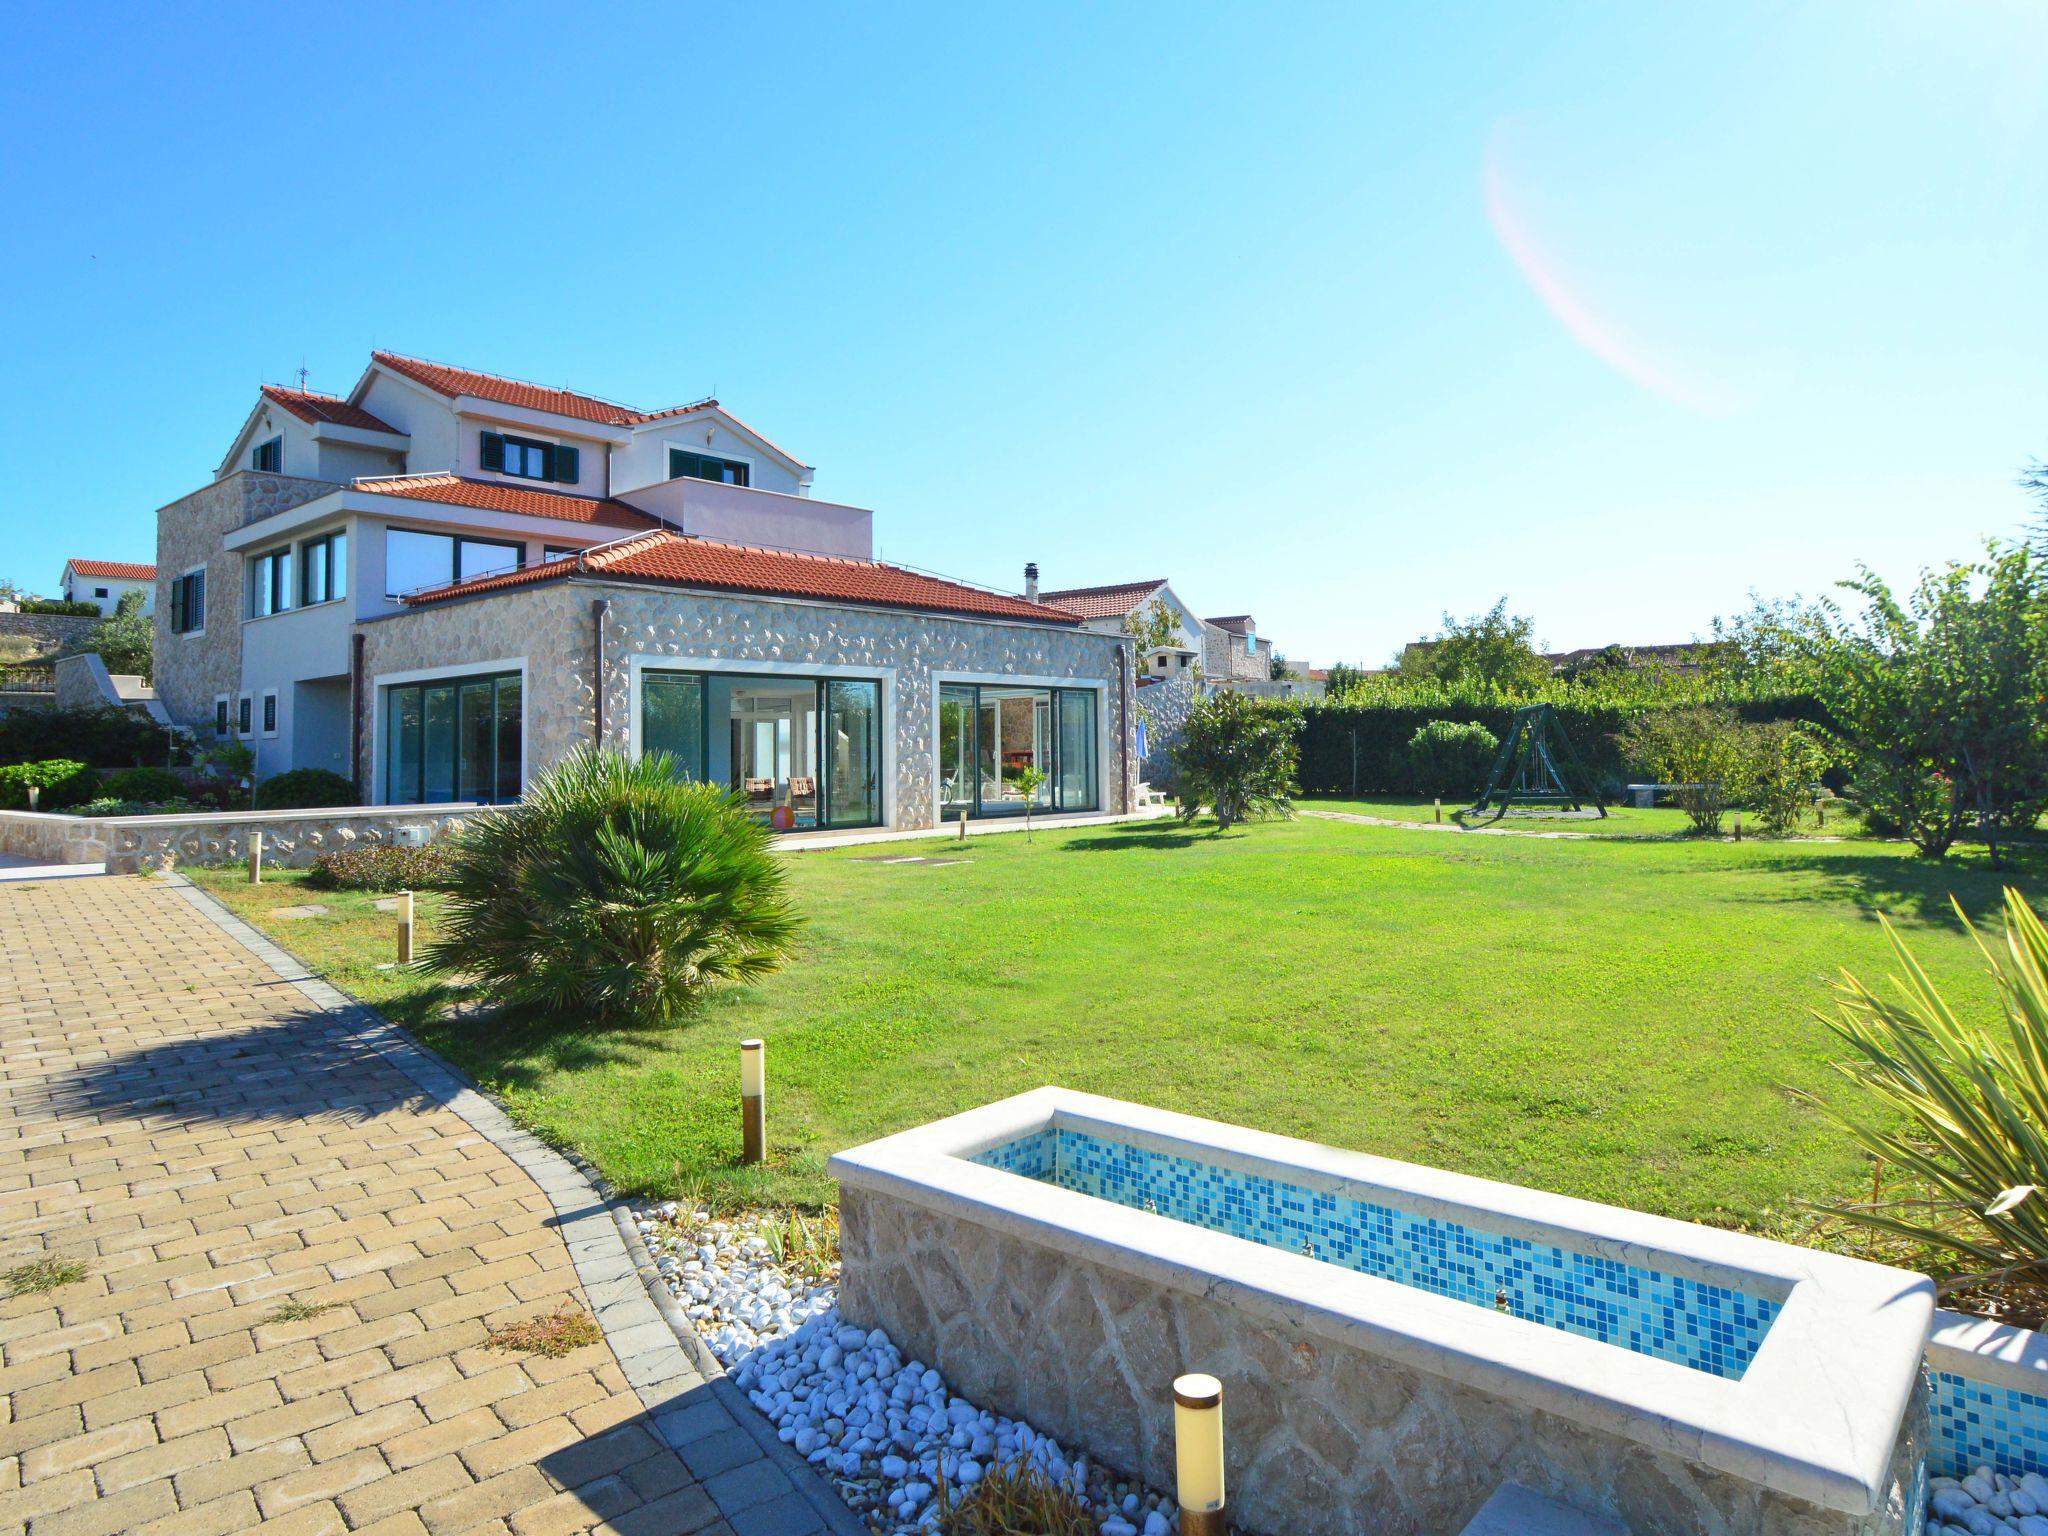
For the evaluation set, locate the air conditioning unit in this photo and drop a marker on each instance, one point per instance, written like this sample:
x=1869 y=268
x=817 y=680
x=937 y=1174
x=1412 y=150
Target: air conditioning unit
x=409 y=837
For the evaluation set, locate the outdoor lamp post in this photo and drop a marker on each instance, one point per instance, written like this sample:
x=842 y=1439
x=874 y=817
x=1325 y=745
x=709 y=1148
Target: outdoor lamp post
x=1198 y=1454
x=753 y=1113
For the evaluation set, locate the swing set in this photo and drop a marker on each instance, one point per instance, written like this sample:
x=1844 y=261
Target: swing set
x=1536 y=766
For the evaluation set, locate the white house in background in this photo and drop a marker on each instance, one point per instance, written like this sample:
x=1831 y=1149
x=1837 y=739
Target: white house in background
x=445 y=580
x=106 y=582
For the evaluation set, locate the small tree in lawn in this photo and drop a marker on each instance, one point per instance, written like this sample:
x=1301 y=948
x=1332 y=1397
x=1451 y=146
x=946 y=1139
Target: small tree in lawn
x=1706 y=755
x=1030 y=780
x=1238 y=757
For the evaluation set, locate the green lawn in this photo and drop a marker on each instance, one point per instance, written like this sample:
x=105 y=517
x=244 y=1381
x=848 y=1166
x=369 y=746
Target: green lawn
x=1615 y=1019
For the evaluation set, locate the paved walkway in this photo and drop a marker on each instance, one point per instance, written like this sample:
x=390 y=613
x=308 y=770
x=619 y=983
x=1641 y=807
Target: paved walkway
x=213 y=1136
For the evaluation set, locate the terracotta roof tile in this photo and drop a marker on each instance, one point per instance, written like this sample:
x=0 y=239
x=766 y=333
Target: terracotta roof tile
x=667 y=559
x=1235 y=623
x=1111 y=602
x=454 y=491
x=309 y=406
x=117 y=570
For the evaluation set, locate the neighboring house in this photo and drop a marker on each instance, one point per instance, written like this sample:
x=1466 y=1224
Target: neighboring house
x=1228 y=650
x=1233 y=653
x=106 y=582
x=446 y=580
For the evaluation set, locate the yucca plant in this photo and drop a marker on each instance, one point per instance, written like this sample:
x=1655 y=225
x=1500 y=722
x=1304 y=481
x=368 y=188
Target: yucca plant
x=614 y=892
x=1974 y=1096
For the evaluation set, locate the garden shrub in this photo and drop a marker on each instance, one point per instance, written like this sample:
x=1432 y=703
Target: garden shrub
x=1961 y=1107
x=62 y=607
x=63 y=781
x=145 y=784
x=304 y=789
x=1451 y=757
x=1785 y=772
x=113 y=805
x=106 y=737
x=1237 y=757
x=1705 y=755
x=615 y=891
x=380 y=867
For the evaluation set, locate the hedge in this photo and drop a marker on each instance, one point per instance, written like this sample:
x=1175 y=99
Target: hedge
x=108 y=737
x=1360 y=747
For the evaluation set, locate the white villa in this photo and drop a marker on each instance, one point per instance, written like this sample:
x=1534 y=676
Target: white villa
x=444 y=580
x=106 y=582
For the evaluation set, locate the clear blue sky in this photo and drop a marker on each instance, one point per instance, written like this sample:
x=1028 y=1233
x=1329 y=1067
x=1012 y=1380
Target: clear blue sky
x=1343 y=319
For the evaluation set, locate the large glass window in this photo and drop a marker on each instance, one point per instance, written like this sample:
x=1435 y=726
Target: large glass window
x=805 y=752
x=415 y=561
x=989 y=734
x=323 y=569
x=455 y=740
x=270 y=583
x=672 y=719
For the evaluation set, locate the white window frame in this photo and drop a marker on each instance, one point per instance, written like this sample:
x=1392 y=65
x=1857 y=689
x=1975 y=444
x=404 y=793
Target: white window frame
x=245 y=701
x=220 y=699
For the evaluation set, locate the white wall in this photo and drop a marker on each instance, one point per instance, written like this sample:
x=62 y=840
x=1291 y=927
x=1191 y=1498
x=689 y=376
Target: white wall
x=301 y=453
x=644 y=461
x=744 y=515
x=86 y=589
x=426 y=417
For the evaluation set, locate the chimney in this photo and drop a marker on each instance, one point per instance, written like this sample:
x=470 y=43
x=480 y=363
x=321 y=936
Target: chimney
x=1031 y=581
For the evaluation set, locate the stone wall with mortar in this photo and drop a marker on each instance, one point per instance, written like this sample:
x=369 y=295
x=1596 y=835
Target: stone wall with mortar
x=190 y=669
x=552 y=627
x=1321 y=1439
x=291 y=839
x=48 y=633
x=1165 y=706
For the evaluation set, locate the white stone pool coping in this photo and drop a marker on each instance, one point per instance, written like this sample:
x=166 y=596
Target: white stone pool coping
x=1815 y=1416
x=1997 y=1354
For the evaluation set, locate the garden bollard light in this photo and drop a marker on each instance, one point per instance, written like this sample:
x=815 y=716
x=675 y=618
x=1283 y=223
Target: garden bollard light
x=1738 y=826
x=753 y=1113
x=1439 y=811
x=963 y=826
x=255 y=858
x=35 y=793
x=405 y=927
x=1198 y=1454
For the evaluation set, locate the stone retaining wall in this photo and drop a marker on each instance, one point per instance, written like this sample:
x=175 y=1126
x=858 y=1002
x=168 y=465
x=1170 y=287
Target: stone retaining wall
x=1322 y=1439
x=291 y=839
x=50 y=631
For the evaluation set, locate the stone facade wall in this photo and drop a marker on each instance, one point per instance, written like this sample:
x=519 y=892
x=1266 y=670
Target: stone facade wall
x=50 y=632
x=189 y=670
x=1165 y=707
x=1322 y=1439
x=552 y=627
x=137 y=844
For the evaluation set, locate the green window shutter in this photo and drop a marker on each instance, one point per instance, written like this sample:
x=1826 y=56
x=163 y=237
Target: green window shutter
x=568 y=464
x=493 y=451
x=178 y=606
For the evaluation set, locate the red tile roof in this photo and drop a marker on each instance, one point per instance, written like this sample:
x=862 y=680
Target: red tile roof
x=309 y=406
x=117 y=570
x=1111 y=602
x=668 y=559
x=454 y=491
x=1236 y=623
x=451 y=381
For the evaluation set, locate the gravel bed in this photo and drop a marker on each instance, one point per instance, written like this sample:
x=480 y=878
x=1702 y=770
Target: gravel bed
x=883 y=1428
x=1987 y=1503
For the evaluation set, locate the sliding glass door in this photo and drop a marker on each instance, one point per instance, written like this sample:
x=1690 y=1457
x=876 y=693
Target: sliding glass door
x=991 y=733
x=806 y=752
x=458 y=739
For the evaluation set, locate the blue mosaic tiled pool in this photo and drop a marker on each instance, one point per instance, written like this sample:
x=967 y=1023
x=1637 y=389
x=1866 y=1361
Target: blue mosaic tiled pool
x=1983 y=1424
x=1710 y=1328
